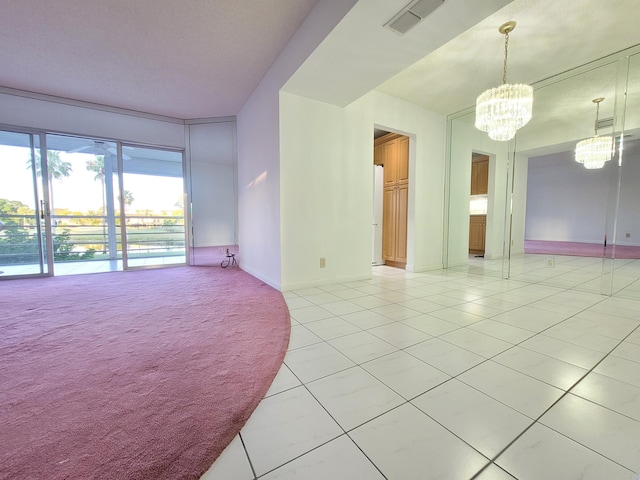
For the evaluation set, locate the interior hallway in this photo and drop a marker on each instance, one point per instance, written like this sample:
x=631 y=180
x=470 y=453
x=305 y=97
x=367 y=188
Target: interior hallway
x=452 y=375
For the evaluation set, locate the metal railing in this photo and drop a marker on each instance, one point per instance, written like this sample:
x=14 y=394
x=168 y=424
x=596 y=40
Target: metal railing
x=87 y=237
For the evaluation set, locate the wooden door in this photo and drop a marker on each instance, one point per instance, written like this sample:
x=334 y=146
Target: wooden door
x=402 y=169
x=483 y=177
x=378 y=154
x=389 y=223
x=394 y=150
x=480 y=177
x=402 y=200
x=390 y=162
x=477 y=233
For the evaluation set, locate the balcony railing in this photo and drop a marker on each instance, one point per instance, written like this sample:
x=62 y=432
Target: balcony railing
x=90 y=237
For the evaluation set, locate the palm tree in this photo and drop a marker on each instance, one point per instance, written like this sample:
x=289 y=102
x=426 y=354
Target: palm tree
x=128 y=198
x=97 y=166
x=56 y=169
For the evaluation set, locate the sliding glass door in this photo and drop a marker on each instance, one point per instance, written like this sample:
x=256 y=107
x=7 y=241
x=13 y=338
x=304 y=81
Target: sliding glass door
x=83 y=173
x=24 y=250
x=153 y=202
x=79 y=205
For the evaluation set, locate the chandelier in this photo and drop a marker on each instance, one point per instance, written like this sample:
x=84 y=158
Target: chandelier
x=501 y=111
x=594 y=152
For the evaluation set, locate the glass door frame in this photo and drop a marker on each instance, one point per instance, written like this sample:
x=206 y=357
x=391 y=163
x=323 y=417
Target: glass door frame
x=45 y=203
x=123 y=214
x=43 y=216
x=42 y=213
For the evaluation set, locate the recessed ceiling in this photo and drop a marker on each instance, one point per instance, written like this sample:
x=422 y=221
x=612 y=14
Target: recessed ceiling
x=195 y=59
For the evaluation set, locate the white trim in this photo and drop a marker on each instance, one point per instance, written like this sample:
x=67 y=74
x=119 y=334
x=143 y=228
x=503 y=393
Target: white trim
x=319 y=283
x=82 y=104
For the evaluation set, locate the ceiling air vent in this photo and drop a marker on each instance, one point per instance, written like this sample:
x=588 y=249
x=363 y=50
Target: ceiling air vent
x=411 y=15
x=604 y=123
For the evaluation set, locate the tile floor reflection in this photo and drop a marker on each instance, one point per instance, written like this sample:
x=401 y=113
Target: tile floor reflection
x=453 y=375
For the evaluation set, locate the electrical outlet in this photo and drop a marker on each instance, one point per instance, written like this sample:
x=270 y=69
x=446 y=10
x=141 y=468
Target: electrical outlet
x=628 y=235
x=551 y=262
x=323 y=262
x=221 y=250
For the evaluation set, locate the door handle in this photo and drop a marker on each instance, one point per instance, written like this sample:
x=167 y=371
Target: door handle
x=43 y=210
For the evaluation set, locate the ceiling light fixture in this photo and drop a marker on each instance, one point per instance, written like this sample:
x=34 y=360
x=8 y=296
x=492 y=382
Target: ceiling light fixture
x=594 y=152
x=501 y=111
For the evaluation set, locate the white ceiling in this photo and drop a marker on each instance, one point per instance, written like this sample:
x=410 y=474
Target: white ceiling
x=551 y=37
x=204 y=59
x=195 y=59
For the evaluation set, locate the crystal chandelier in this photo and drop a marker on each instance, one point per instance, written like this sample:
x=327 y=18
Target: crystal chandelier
x=594 y=152
x=501 y=111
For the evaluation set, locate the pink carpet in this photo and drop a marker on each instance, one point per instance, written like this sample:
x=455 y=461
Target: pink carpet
x=581 y=249
x=132 y=375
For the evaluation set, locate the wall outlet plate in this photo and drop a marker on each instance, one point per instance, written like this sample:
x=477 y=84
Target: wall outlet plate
x=323 y=262
x=551 y=262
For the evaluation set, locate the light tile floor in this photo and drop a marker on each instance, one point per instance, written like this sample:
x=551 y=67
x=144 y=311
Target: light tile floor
x=453 y=375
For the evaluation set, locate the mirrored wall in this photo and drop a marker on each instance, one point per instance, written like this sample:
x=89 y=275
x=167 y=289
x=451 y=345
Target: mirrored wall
x=542 y=217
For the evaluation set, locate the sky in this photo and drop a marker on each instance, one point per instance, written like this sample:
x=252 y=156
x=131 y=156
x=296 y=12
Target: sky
x=80 y=191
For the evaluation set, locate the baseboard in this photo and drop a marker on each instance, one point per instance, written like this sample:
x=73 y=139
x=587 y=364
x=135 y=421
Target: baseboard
x=425 y=268
x=261 y=277
x=320 y=282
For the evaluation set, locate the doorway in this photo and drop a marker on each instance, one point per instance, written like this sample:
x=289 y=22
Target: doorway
x=25 y=248
x=391 y=152
x=478 y=204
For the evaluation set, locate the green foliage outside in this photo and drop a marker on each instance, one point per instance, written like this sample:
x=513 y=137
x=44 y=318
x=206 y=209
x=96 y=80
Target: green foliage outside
x=63 y=248
x=18 y=245
x=18 y=234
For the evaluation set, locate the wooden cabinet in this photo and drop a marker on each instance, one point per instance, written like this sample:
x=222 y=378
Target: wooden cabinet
x=480 y=176
x=392 y=151
x=477 y=233
x=402 y=197
x=378 y=154
x=479 y=186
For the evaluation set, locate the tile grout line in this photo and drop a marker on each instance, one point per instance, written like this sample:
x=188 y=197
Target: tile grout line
x=567 y=392
x=392 y=321
x=344 y=432
x=246 y=452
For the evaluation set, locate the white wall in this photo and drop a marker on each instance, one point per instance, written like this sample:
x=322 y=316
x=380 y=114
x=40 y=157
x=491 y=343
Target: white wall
x=426 y=175
x=78 y=119
x=568 y=203
x=212 y=162
x=327 y=186
x=259 y=148
x=565 y=201
x=326 y=195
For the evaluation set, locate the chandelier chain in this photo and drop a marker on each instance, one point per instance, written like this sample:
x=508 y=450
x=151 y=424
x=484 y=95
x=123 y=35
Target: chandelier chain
x=504 y=67
x=595 y=125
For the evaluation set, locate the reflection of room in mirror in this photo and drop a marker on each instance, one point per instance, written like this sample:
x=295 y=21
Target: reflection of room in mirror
x=567 y=207
x=547 y=213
